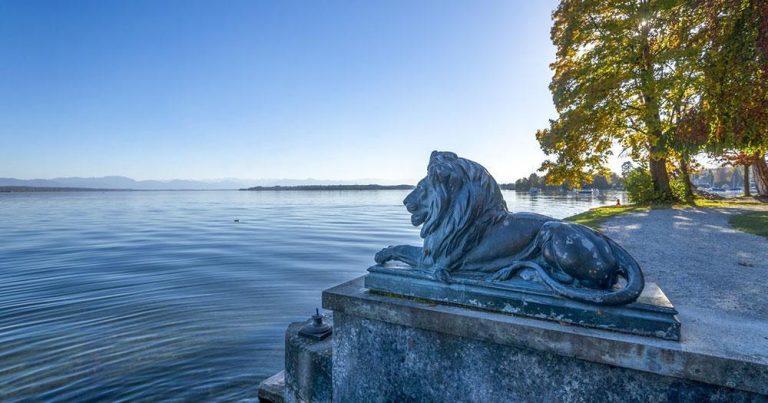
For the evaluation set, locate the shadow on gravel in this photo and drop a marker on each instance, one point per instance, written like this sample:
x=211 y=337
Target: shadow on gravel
x=698 y=258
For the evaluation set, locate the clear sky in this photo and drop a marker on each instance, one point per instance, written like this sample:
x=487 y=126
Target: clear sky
x=271 y=89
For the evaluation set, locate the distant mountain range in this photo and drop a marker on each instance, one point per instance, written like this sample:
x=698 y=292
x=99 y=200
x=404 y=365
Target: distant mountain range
x=122 y=182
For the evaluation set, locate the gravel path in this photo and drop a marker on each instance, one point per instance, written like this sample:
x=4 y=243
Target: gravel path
x=704 y=265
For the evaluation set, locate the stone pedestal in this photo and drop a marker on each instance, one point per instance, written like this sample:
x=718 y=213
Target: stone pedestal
x=307 y=366
x=272 y=389
x=651 y=315
x=394 y=349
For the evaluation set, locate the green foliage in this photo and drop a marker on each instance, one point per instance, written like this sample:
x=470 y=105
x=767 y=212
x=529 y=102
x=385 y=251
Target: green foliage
x=735 y=94
x=622 y=74
x=665 y=79
x=598 y=182
x=532 y=181
x=679 y=191
x=639 y=186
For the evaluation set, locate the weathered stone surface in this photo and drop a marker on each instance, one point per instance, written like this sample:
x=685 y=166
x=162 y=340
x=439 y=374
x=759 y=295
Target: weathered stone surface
x=378 y=361
x=271 y=389
x=308 y=366
x=651 y=315
x=393 y=348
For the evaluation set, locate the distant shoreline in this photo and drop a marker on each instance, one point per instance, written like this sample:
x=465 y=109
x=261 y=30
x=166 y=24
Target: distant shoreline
x=331 y=187
x=27 y=189
x=41 y=189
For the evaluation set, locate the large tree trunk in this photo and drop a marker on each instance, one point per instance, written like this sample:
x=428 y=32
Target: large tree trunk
x=760 y=171
x=659 y=175
x=747 y=191
x=657 y=160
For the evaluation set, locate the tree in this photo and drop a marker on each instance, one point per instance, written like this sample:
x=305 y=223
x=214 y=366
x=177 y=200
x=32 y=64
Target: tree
x=735 y=93
x=624 y=72
x=600 y=182
x=522 y=184
x=616 y=181
x=760 y=171
x=534 y=180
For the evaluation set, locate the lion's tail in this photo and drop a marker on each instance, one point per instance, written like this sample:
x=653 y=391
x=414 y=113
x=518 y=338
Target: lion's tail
x=628 y=268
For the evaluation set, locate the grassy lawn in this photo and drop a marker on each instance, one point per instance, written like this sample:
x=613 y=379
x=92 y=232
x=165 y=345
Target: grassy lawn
x=597 y=216
x=755 y=222
x=735 y=202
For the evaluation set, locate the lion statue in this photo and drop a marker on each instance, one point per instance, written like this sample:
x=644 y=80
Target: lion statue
x=467 y=228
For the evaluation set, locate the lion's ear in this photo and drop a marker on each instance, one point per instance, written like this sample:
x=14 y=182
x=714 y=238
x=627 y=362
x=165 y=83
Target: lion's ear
x=433 y=158
x=442 y=156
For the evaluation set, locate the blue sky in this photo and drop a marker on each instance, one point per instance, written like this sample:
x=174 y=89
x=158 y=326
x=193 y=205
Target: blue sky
x=271 y=89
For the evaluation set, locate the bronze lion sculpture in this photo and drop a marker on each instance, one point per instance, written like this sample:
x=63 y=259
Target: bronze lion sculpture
x=466 y=227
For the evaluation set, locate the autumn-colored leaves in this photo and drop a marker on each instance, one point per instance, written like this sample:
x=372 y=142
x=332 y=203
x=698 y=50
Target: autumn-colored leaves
x=665 y=79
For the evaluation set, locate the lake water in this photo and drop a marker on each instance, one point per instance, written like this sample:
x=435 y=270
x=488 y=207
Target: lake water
x=161 y=295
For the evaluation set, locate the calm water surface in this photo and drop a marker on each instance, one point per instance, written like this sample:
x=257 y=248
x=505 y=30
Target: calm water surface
x=162 y=296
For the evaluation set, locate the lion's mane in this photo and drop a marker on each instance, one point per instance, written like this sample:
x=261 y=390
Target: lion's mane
x=465 y=200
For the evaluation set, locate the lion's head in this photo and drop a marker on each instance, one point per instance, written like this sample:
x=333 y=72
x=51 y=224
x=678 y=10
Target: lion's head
x=455 y=201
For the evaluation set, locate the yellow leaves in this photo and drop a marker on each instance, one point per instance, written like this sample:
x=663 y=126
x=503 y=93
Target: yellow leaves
x=611 y=84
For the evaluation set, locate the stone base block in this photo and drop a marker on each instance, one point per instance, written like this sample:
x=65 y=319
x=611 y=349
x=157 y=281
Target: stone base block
x=271 y=389
x=307 y=366
x=393 y=349
x=651 y=315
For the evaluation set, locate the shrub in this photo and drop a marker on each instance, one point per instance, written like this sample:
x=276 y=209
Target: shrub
x=639 y=186
x=678 y=189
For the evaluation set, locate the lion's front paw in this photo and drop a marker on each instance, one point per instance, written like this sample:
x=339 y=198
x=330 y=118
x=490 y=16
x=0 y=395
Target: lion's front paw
x=383 y=255
x=442 y=275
